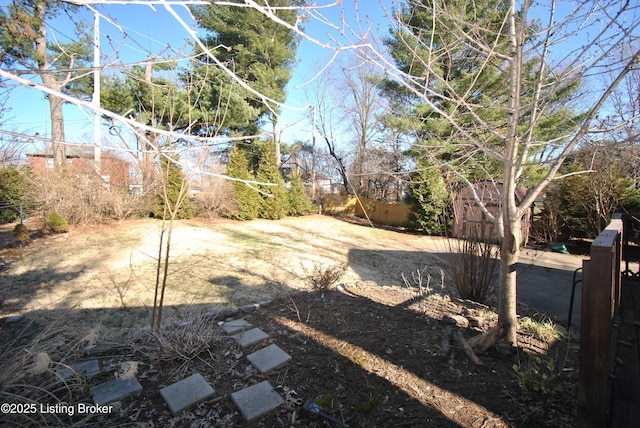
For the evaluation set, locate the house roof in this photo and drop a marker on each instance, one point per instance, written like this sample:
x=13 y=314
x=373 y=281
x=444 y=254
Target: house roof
x=84 y=151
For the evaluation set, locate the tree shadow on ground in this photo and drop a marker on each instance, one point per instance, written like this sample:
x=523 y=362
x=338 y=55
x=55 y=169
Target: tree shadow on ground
x=544 y=289
x=398 y=345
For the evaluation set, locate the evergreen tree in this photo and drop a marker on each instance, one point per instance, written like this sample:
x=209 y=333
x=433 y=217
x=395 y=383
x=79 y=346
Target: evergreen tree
x=247 y=200
x=275 y=202
x=173 y=192
x=428 y=198
x=260 y=52
x=61 y=66
x=299 y=203
x=12 y=191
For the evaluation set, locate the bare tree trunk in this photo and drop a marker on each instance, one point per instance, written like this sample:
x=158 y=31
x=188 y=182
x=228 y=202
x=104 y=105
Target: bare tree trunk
x=276 y=143
x=55 y=103
x=511 y=220
x=57 y=131
x=509 y=255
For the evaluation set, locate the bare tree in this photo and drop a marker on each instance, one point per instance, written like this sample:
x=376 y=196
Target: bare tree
x=326 y=123
x=357 y=95
x=536 y=55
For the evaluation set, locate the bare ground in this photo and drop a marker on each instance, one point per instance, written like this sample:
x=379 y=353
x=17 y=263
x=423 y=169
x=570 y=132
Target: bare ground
x=368 y=352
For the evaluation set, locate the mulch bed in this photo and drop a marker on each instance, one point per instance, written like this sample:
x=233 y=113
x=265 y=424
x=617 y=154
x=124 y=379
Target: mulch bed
x=369 y=356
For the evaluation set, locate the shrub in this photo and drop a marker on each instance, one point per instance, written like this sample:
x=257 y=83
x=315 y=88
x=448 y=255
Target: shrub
x=323 y=277
x=473 y=266
x=428 y=198
x=538 y=378
x=246 y=199
x=12 y=191
x=57 y=224
x=21 y=233
x=173 y=192
x=299 y=203
x=275 y=201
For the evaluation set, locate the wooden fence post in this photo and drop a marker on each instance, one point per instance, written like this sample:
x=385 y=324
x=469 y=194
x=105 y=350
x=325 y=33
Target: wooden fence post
x=600 y=300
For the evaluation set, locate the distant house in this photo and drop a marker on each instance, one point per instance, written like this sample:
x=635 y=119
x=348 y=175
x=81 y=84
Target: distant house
x=80 y=162
x=468 y=218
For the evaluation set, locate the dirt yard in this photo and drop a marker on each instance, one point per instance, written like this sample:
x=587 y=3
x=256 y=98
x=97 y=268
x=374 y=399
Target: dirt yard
x=368 y=351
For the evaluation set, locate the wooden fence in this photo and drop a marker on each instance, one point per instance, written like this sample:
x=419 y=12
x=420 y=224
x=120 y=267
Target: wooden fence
x=391 y=214
x=601 y=285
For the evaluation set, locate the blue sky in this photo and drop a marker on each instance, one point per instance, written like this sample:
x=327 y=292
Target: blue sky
x=151 y=32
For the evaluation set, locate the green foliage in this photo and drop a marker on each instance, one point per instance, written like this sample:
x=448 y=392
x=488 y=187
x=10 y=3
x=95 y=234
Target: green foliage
x=21 y=233
x=544 y=330
x=299 y=203
x=13 y=183
x=173 y=194
x=247 y=200
x=460 y=121
x=56 y=223
x=428 y=198
x=275 y=201
x=21 y=23
x=260 y=52
x=582 y=205
x=537 y=379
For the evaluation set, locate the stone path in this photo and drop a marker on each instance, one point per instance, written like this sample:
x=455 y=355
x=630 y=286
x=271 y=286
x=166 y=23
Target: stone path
x=253 y=401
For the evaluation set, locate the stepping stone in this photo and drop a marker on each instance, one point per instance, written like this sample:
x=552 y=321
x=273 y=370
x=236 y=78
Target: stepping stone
x=257 y=400
x=84 y=368
x=251 y=337
x=236 y=326
x=269 y=358
x=104 y=348
x=114 y=390
x=186 y=393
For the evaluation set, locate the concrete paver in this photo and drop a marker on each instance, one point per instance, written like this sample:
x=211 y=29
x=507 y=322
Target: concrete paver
x=114 y=390
x=186 y=393
x=251 y=337
x=236 y=326
x=84 y=368
x=257 y=400
x=269 y=358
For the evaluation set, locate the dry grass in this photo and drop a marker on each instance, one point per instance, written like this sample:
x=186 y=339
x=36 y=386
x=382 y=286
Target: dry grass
x=179 y=347
x=35 y=371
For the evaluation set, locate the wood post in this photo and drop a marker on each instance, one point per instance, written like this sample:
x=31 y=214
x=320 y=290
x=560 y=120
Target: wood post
x=600 y=301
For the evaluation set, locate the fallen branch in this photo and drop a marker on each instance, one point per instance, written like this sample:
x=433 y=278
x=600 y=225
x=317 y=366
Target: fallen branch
x=467 y=349
x=445 y=346
x=486 y=340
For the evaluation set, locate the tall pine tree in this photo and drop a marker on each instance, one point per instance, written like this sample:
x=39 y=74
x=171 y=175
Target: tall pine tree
x=258 y=50
x=275 y=202
x=247 y=200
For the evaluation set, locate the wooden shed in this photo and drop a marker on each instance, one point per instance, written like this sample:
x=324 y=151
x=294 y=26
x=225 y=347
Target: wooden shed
x=468 y=218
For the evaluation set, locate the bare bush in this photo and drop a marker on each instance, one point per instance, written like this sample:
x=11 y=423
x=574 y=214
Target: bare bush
x=122 y=204
x=422 y=283
x=177 y=348
x=322 y=277
x=85 y=199
x=473 y=264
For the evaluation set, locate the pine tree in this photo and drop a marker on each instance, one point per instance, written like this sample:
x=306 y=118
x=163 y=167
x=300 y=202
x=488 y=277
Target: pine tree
x=247 y=199
x=299 y=203
x=172 y=191
x=428 y=198
x=275 y=204
x=261 y=53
